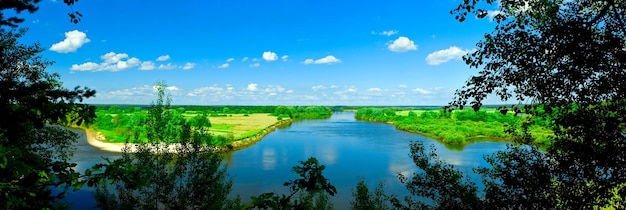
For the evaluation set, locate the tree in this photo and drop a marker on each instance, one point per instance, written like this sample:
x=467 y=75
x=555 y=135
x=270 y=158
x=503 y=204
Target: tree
x=29 y=5
x=566 y=61
x=162 y=175
x=312 y=187
x=34 y=154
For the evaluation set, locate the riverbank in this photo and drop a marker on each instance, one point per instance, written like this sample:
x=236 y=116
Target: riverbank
x=97 y=139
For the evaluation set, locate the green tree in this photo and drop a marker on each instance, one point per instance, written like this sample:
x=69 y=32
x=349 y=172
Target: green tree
x=366 y=200
x=18 y=6
x=313 y=190
x=162 y=175
x=34 y=154
x=567 y=57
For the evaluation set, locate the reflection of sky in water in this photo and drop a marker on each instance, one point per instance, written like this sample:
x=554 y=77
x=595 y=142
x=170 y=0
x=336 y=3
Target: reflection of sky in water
x=269 y=159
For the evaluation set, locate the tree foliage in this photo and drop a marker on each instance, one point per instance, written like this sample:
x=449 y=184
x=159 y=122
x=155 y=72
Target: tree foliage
x=312 y=187
x=19 y=6
x=34 y=153
x=566 y=59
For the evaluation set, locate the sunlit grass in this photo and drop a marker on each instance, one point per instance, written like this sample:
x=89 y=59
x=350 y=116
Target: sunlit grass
x=238 y=125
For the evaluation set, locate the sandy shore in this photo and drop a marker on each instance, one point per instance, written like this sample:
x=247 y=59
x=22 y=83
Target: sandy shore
x=95 y=139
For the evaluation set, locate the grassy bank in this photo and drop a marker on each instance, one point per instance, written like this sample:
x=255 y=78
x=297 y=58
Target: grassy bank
x=230 y=127
x=458 y=127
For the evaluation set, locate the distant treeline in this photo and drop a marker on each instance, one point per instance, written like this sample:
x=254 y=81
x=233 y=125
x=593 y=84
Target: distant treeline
x=302 y=112
x=456 y=127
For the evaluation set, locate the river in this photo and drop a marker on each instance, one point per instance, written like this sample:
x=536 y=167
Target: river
x=349 y=149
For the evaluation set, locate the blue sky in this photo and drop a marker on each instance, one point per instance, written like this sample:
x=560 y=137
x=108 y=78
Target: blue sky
x=285 y=52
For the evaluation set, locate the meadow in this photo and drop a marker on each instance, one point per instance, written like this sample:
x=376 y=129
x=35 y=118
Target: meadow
x=231 y=126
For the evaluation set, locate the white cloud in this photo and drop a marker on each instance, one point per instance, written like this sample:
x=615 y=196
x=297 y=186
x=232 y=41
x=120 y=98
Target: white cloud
x=89 y=66
x=270 y=56
x=285 y=57
x=422 y=91
x=168 y=66
x=111 y=62
x=442 y=56
x=204 y=91
x=491 y=14
x=387 y=33
x=244 y=59
x=172 y=88
x=254 y=65
x=223 y=66
x=374 y=90
x=113 y=57
x=230 y=59
x=163 y=58
x=402 y=86
x=325 y=60
x=255 y=60
x=73 y=40
x=188 y=66
x=402 y=44
x=318 y=87
x=252 y=87
x=147 y=65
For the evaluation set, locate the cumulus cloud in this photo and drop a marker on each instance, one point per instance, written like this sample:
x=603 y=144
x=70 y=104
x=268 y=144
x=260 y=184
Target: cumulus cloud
x=402 y=44
x=147 y=65
x=223 y=66
x=270 y=56
x=442 y=56
x=244 y=59
x=325 y=60
x=252 y=87
x=168 y=66
x=89 y=66
x=230 y=59
x=285 y=57
x=254 y=65
x=73 y=40
x=374 y=90
x=402 y=86
x=188 y=66
x=163 y=58
x=111 y=62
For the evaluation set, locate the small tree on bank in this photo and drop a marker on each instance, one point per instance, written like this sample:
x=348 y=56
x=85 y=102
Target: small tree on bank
x=162 y=175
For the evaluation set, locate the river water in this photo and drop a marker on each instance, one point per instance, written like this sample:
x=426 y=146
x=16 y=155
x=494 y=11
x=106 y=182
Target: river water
x=348 y=148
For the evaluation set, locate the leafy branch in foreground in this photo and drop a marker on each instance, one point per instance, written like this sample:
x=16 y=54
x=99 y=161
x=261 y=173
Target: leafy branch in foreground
x=312 y=189
x=34 y=152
